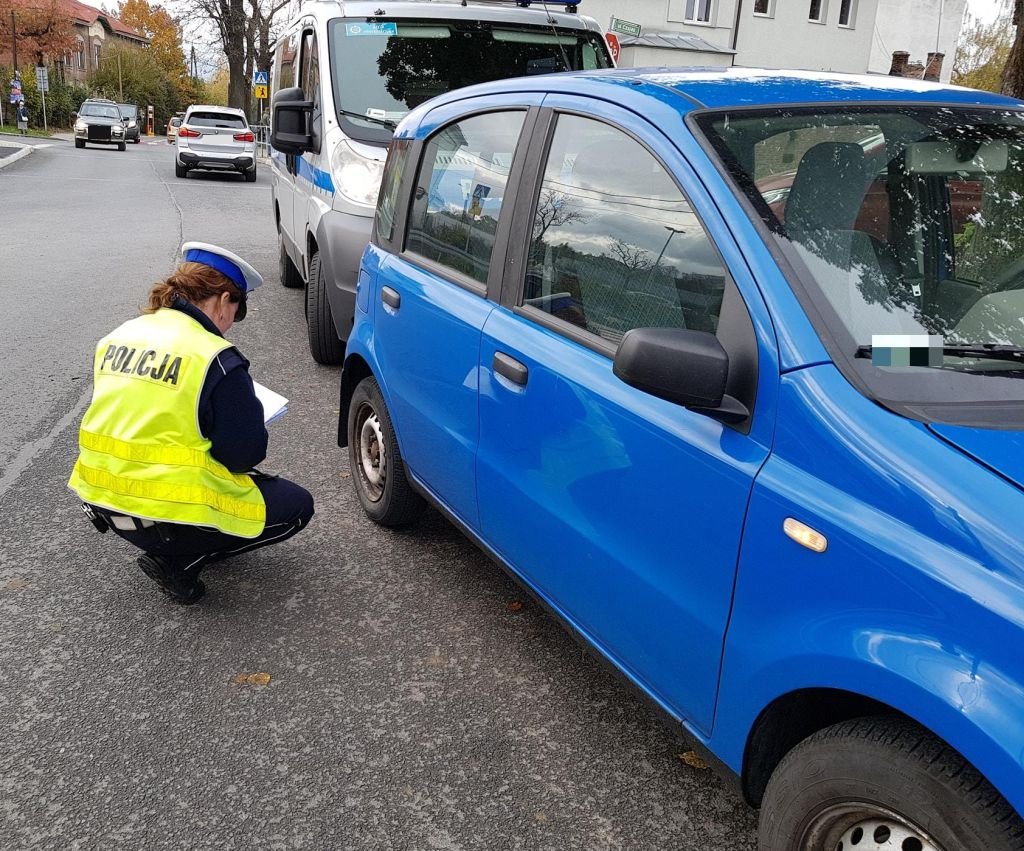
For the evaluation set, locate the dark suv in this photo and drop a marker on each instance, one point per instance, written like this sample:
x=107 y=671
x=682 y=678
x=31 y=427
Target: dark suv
x=99 y=122
x=130 y=119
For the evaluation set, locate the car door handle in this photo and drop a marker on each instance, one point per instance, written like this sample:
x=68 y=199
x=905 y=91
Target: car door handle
x=391 y=298
x=508 y=367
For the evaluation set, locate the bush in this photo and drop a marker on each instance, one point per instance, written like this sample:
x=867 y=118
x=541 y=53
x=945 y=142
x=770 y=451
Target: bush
x=61 y=100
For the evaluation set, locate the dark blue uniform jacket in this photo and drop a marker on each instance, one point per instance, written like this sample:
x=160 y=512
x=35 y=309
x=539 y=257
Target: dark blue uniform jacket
x=230 y=415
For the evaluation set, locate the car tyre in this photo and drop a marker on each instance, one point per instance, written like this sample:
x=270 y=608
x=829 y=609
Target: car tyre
x=290 y=276
x=378 y=472
x=324 y=345
x=122 y=146
x=79 y=143
x=250 y=175
x=883 y=782
x=180 y=170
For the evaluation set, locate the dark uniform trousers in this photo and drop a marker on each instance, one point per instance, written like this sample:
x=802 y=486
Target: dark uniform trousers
x=191 y=548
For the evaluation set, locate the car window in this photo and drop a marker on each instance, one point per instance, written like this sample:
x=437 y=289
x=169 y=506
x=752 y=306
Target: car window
x=459 y=191
x=99 y=110
x=216 y=119
x=615 y=245
x=398 y=155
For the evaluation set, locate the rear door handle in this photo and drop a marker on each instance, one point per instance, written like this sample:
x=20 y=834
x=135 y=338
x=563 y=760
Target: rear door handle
x=508 y=367
x=391 y=297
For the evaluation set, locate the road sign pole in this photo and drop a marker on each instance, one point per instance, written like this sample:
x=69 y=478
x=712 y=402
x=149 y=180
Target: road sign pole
x=43 y=94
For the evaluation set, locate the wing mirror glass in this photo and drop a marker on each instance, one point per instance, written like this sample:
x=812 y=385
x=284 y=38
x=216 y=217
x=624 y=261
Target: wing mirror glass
x=291 y=116
x=688 y=368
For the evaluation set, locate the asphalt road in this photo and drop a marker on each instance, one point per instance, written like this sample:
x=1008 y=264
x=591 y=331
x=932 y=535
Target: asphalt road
x=412 y=703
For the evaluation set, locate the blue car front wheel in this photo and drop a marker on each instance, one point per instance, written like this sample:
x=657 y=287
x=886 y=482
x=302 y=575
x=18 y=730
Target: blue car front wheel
x=883 y=783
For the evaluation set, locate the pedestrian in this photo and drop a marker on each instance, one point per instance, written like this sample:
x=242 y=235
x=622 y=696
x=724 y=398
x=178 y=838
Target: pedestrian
x=169 y=443
x=22 y=116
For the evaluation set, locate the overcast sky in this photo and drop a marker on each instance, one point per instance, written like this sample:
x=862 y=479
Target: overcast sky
x=986 y=9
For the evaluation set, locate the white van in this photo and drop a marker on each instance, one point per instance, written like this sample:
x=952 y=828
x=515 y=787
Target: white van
x=344 y=75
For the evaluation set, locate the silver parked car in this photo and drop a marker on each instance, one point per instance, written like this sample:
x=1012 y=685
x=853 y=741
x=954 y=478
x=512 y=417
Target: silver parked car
x=216 y=138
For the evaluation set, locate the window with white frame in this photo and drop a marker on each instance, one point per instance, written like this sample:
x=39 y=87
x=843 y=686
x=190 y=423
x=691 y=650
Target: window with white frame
x=764 y=7
x=818 y=11
x=847 y=12
x=96 y=55
x=79 y=62
x=698 y=11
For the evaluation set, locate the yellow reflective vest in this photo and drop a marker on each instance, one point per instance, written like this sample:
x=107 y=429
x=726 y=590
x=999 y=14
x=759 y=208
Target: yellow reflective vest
x=141 y=450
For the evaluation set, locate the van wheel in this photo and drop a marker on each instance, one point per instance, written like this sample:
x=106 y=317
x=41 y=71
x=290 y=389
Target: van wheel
x=290 y=276
x=324 y=345
x=883 y=783
x=378 y=472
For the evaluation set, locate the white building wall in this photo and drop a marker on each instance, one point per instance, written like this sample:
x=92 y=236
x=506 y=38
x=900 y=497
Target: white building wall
x=665 y=15
x=787 y=39
x=901 y=27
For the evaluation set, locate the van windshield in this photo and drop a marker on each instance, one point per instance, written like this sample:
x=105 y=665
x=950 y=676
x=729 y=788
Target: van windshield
x=904 y=229
x=383 y=69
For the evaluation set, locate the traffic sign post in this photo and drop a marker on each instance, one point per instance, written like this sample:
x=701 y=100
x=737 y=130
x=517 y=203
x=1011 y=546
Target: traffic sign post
x=261 y=92
x=43 y=84
x=259 y=78
x=259 y=86
x=625 y=27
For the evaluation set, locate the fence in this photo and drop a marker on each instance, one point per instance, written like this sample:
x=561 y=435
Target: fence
x=262 y=134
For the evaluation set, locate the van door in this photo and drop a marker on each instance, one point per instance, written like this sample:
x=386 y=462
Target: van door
x=309 y=183
x=624 y=510
x=285 y=62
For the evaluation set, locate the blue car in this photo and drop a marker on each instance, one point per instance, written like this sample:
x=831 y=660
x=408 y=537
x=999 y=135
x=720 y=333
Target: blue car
x=727 y=368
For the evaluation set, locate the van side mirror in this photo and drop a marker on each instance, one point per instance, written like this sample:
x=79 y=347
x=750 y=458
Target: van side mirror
x=689 y=368
x=291 y=115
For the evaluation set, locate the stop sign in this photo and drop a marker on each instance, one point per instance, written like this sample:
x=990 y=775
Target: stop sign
x=613 y=45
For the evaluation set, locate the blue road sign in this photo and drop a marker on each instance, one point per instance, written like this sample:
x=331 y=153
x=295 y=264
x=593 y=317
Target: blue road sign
x=259 y=78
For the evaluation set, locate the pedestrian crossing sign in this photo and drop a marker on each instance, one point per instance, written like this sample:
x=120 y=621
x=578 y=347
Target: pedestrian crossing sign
x=259 y=78
x=261 y=92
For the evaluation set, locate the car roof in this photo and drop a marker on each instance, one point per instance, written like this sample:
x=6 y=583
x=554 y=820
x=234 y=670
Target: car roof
x=718 y=88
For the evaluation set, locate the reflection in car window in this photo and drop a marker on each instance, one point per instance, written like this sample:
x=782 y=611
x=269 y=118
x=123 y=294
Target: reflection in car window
x=615 y=243
x=460 y=189
x=907 y=220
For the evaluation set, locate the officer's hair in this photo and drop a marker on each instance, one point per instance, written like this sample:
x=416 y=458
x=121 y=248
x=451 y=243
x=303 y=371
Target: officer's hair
x=194 y=282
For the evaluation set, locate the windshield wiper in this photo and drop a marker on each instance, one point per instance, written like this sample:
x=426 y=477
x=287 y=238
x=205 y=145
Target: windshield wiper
x=384 y=122
x=981 y=351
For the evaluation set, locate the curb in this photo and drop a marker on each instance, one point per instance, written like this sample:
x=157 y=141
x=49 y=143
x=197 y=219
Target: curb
x=19 y=155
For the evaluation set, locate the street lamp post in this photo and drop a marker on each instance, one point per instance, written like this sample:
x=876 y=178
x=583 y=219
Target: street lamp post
x=672 y=232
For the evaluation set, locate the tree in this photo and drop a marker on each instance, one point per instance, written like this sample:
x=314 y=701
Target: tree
x=164 y=34
x=132 y=74
x=245 y=39
x=982 y=53
x=42 y=28
x=1013 y=72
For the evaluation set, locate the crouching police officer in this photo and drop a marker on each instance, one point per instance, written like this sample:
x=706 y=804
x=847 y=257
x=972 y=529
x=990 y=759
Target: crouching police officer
x=169 y=443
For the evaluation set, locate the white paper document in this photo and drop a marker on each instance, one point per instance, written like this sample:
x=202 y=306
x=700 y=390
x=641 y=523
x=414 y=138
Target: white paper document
x=274 y=404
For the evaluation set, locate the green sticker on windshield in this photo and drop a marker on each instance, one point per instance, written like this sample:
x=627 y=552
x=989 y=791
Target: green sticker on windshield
x=385 y=28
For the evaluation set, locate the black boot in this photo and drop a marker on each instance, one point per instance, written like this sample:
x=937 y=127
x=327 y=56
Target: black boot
x=181 y=586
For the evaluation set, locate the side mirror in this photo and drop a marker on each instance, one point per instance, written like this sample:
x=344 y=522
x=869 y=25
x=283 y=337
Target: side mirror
x=689 y=368
x=291 y=115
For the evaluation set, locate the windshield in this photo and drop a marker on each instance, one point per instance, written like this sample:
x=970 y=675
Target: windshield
x=382 y=70
x=99 y=110
x=905 y=228
x=126 y=110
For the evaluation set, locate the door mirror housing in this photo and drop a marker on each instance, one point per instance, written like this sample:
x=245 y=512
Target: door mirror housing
x=291 y=116
x=688 y=368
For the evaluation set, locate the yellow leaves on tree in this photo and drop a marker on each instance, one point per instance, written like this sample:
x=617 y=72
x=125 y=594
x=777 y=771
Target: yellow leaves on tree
x=164 y=35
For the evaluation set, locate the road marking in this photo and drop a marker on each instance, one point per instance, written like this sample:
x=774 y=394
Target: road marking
x=23 y=460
